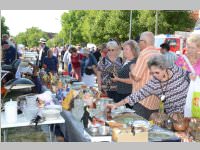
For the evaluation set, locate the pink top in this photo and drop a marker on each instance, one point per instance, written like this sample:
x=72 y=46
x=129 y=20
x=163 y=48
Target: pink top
x=182 y=63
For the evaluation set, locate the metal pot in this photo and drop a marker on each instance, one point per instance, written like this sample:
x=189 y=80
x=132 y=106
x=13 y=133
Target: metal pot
x=104 y=130
x=94 y=130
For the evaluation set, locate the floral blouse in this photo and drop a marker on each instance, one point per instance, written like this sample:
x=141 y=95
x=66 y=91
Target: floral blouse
x=107 y=69
x=182 y=63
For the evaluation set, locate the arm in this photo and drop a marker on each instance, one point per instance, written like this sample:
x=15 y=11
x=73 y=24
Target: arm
x=138 y=69
x=14 y=54
x=123 y=80
x=57 y=64
x=94 y=69
x=94 y=62
x=147 y=90
x=99 y=79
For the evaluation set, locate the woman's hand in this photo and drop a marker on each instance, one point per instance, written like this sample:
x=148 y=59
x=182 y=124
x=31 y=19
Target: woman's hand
x=44 y=66
x=115 y=79
x=192 y=77
x=111 y=106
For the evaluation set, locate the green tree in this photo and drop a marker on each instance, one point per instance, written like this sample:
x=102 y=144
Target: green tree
x=97 y=26
x=31 y=37
x=4 y=28
x=168 y=21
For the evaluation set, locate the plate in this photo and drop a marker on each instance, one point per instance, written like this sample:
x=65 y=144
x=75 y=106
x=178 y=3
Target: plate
x=78 y=83
x=161 y=135
x=140 y=123
x=57 y=107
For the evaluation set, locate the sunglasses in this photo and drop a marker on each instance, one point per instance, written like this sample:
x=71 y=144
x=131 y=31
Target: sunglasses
x=112 y=50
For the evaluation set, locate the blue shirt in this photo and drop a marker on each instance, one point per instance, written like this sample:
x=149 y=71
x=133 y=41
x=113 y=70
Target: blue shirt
x=90 y=61
x=10 y=55
x=51 y=64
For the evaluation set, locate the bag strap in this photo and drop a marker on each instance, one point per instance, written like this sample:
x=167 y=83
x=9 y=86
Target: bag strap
x=189 y=64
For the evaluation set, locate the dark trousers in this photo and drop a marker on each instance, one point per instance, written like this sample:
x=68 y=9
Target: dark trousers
x=143 y=111
x=113 y=95
x=63 y=65
x=121 y=97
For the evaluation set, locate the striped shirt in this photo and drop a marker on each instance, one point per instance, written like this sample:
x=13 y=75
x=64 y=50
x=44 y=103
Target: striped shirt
x=141 y=71
x=170 y=57
x=175 y=90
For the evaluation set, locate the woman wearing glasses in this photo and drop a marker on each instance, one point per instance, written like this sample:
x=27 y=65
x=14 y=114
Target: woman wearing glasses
x=107 y=68
x=169 y=84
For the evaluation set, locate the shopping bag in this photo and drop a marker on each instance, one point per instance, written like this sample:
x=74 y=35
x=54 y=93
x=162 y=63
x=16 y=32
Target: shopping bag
x=188 y=104
x=196 y=99
x=192 y=96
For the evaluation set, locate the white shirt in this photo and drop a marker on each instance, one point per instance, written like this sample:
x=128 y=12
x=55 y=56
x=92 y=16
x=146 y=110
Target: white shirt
x=67 y=57
x=40 y=54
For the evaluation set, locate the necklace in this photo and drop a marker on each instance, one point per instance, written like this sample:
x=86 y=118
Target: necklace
x=163 y=92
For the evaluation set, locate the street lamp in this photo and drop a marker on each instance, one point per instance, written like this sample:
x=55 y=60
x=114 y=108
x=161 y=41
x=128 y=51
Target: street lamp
x=70 y=36
x=156 y=23
x=130 y=25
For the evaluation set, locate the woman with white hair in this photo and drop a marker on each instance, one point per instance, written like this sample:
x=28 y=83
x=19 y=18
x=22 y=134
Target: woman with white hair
x=192 y=54
x=89 y=67
x=107 y=68
x=169 y=84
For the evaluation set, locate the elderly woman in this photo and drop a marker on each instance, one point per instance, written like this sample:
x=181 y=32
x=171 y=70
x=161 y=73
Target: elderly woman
x=89 y=68
x=124 y=82
x=107 y=68
x=50 y=62
x=193 y=54
x=168 y=84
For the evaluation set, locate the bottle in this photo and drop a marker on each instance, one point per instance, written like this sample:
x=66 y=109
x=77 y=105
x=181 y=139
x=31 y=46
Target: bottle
x=161 y=107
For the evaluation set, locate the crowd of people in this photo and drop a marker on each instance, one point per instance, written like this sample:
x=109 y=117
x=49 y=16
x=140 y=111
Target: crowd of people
x=132 y=73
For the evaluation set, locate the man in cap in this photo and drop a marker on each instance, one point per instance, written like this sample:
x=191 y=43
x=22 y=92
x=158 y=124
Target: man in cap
x=42 y=52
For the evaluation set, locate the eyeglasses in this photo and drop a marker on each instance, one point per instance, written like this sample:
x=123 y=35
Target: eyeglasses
x=112 y=50
x=152 y=73
x=141 y=40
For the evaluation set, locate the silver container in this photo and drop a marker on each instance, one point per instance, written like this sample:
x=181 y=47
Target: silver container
x=104 y=130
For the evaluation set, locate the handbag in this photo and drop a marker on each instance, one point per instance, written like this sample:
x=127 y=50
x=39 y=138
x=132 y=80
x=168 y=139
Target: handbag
x=89 y=71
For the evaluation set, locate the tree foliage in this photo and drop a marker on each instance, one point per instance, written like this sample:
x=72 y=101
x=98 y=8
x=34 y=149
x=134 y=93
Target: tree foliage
x=31 y=37
x=4 y=28
x=97 y=26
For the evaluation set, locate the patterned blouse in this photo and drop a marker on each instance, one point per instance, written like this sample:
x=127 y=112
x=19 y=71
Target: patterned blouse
x=182 y=63
x=175 y=90
x=107 y=69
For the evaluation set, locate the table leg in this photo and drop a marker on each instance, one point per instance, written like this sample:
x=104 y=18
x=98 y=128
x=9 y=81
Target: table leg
x=50 y=136
x=5 y=135
x=54 y=128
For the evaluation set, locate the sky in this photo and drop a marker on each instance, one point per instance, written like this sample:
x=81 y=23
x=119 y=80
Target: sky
x=19 y=20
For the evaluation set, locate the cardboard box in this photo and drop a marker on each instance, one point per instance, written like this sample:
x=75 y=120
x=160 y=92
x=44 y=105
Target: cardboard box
x=125 y=135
